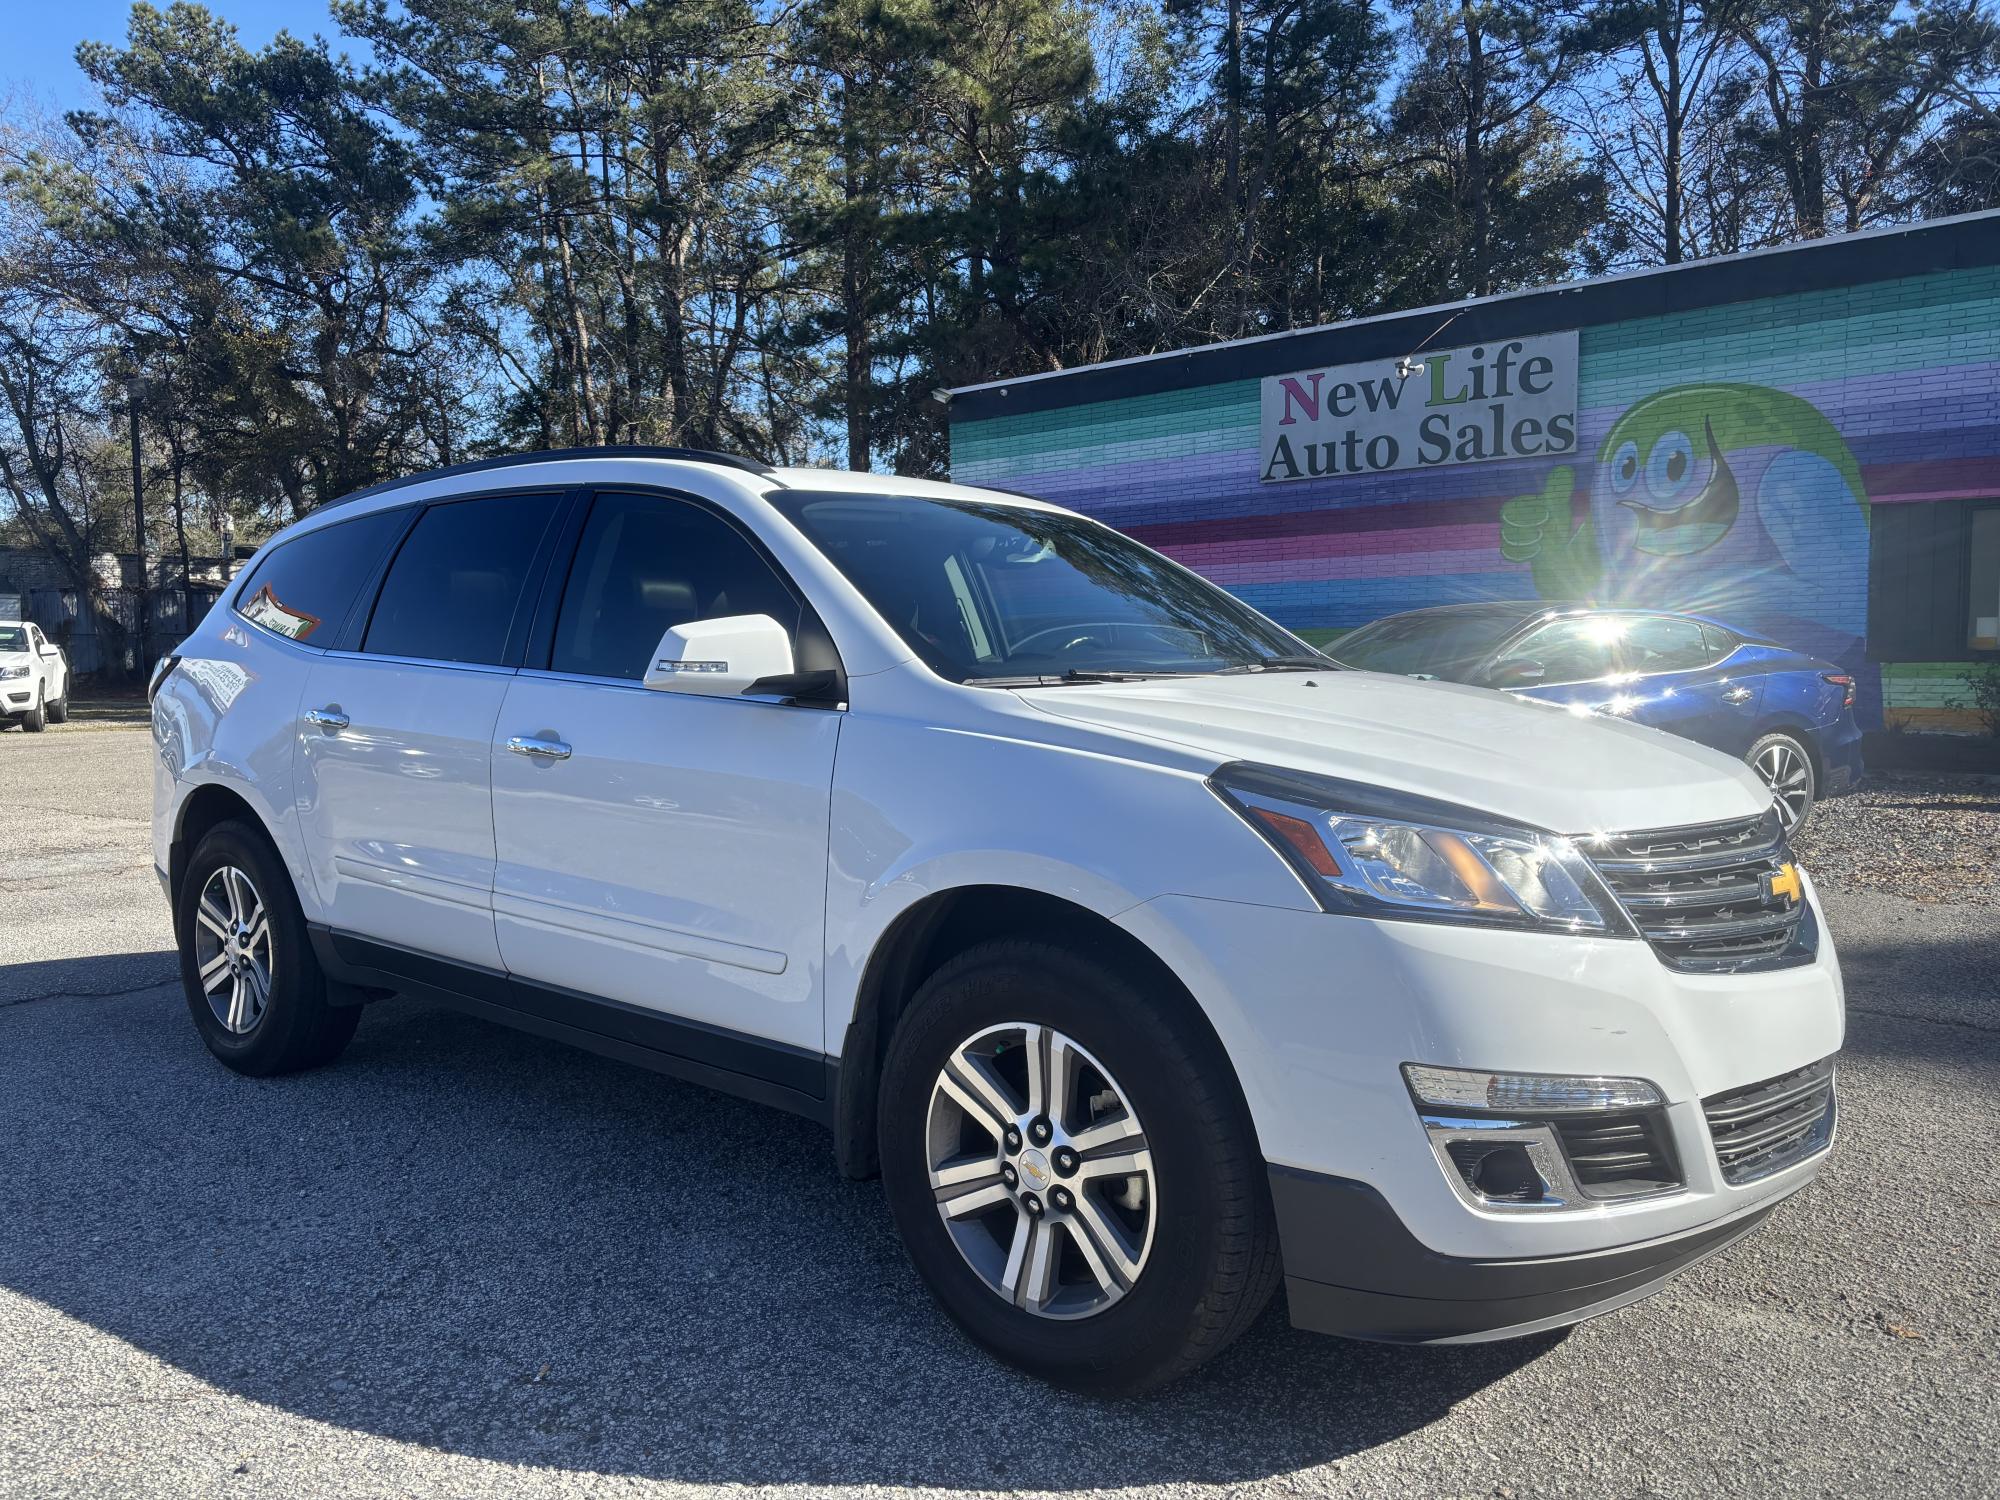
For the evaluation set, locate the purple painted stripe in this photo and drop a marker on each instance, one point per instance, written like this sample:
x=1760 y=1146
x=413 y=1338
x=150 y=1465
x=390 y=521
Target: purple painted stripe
x=1425 y=563
x=1942 y=479
x=1238 y=549
x=1403 y=516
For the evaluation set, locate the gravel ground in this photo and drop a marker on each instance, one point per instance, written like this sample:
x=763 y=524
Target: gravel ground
x=1934 y=839
x=464 y=1262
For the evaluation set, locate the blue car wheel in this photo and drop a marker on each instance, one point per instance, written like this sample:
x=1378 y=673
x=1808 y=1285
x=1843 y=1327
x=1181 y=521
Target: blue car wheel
x=1787 y=769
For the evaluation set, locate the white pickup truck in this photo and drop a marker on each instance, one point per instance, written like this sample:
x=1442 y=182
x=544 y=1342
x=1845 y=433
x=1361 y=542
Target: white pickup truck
x=34 y=677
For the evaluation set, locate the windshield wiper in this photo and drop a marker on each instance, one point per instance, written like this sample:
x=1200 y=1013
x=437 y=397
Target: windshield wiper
x=1072 y=675
x=1283 y=664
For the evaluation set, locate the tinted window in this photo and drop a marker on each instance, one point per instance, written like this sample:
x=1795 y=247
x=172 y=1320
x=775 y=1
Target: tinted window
x=454 y=588
x=983 y=591
x=646 y=564
x=1718 y=641
x=1661 y=643
x=1573 y=650
x=303 y=588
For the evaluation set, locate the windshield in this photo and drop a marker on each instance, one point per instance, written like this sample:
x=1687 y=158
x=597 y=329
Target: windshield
x=991 y=593
x=1424 y=645
x=13 y=638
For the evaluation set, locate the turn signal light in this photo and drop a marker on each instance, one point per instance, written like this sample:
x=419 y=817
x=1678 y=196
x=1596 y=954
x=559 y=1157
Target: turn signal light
x=1525 y=1093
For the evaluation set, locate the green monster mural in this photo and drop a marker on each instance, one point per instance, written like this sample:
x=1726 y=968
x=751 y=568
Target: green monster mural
x=1738 y=501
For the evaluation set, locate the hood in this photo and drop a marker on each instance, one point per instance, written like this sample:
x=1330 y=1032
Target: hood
x=15 y=658
x=1532 y=762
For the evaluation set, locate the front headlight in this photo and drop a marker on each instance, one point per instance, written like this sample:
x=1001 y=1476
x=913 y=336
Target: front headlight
x=1380 y=853
x=6 y=672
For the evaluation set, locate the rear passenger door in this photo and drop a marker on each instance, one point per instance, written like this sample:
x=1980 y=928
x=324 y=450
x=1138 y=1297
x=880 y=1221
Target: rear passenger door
x=661 y=851
x=393 y=766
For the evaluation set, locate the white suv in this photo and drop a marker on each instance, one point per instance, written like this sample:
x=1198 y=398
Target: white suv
x=34 y=677
x=1146 y=954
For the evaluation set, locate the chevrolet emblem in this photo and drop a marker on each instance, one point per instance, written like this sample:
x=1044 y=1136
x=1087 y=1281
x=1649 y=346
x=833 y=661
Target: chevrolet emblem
x=1783 y=885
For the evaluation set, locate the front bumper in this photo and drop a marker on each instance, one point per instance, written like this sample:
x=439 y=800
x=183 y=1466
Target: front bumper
x=1841 y=752
x=1353 y=1268
x=1318 y=1012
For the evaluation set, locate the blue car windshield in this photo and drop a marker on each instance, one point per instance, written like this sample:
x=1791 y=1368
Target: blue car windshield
x=1450 y=647
x=995 y=593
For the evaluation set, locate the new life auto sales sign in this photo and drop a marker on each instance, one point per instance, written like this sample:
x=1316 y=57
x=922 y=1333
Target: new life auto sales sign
x=1512 y=398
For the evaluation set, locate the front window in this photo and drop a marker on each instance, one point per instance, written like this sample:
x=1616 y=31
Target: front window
x=1580 y=648
x=990 y=593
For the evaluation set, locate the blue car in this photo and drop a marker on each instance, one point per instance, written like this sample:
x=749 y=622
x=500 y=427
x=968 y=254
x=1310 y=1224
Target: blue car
x=1790 y=716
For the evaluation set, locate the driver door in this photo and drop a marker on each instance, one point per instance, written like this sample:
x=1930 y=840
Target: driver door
x=663 y=851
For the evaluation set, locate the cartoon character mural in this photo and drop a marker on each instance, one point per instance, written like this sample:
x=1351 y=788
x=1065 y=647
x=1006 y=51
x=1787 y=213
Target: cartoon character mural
x=1737 y=501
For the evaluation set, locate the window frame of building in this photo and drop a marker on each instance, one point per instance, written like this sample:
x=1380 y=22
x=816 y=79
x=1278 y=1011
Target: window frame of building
x=1982 y=515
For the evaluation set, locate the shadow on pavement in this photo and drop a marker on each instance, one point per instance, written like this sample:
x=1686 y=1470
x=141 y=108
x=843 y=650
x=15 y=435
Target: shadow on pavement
x=472 y=1240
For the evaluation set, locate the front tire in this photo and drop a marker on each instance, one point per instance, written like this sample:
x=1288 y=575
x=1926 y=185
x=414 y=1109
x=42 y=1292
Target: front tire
x=252 y=981
x=36 y=719
x=1073 y=1170
x=1786 y=767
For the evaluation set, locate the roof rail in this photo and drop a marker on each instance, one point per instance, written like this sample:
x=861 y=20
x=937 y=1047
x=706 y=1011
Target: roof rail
x=552 y=455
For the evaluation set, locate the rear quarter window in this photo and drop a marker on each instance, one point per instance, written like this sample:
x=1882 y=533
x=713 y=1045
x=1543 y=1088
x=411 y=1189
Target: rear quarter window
x=305 y=587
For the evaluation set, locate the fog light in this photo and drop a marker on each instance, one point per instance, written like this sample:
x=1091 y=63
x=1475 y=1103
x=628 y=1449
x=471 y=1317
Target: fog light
x=1502 y=1173
x=1506 y=1164
x=1525 y=1093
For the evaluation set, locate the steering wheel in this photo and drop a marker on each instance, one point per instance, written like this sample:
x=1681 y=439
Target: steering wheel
x=1101 y=633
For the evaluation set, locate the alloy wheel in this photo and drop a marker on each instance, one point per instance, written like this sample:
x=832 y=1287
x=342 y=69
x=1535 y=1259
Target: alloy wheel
x=232 y=950
x=1785 y=771
x=1041 y=1171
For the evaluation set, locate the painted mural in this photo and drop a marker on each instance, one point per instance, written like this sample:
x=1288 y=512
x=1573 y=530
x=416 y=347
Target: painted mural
x=1728 y=461
x=1723 y=499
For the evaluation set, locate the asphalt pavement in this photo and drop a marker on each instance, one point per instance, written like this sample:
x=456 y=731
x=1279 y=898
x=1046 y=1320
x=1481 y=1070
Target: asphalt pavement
x=466 y=1262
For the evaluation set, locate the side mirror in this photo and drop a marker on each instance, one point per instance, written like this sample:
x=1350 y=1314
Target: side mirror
x=723 y=658
x=1518 y=674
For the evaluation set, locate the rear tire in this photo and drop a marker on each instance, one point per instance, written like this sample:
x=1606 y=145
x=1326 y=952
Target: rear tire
x=36 y=719
x=1785 y=766
x=253 y=984
x=59 y=710
x=1206 y=1246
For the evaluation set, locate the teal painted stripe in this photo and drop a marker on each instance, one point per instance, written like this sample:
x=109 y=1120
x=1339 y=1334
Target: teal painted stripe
x=1193 y=414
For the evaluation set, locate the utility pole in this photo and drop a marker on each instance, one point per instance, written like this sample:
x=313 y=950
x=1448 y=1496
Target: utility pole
x=135 y=392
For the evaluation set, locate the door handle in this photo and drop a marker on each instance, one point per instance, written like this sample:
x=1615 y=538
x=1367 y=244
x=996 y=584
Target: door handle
x=326 y=718
x=520 y=744
x=1737 y=695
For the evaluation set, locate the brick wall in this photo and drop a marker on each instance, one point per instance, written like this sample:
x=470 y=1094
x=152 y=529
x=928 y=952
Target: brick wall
x=1865 y=396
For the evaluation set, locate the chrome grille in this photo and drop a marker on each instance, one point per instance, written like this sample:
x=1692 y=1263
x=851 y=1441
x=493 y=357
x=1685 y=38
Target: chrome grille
x=1697 y=894
x=1772 y=1125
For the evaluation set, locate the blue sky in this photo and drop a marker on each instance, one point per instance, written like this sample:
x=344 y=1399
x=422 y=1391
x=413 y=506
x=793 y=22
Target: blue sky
x=38 y=38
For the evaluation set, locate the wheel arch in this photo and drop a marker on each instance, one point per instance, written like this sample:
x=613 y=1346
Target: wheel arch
x=944 y=924
x=209 y=804
x=1793 y=727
